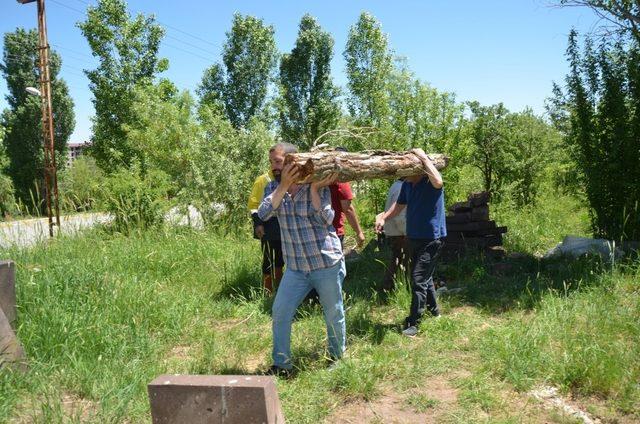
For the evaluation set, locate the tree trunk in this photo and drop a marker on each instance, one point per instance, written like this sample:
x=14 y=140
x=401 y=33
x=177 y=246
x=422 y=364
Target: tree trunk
x=361 y=165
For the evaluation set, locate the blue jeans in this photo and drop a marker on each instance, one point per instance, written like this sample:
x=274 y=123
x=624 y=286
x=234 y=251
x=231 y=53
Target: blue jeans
x=293 y=288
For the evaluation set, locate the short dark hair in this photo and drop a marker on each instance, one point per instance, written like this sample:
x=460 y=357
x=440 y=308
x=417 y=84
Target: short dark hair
x=284 y=147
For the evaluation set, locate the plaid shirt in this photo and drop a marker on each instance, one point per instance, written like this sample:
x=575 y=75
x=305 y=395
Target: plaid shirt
x=309 y=241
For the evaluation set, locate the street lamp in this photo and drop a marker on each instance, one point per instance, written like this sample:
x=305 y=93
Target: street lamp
x=33 y=91
x=50 y=174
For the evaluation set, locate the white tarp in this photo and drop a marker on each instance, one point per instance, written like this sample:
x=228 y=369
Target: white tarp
x=577 y=246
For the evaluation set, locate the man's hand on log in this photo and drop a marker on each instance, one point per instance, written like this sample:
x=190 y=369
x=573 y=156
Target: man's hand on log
x=289 y=175
x=429 y=168
x=326 y=181
x=422 y=156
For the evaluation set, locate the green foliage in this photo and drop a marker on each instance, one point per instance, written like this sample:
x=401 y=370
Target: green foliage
x=369 y=66
x=529 y=149
x=421 y=116
x=515 y=152
x=485 y=129
x=536 y=228
x=603 y=100
x=136 y=201
x=309 y=103
x=127 y=51
x=23 y=119
x=211 y=89
x=7 y=201
x=225 y=162
x=249 y=56
x=163 y=130
x=81 y=185
x=208 y=162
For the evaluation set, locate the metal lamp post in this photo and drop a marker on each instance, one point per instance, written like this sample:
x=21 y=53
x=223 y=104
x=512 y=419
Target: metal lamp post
x=50 y=173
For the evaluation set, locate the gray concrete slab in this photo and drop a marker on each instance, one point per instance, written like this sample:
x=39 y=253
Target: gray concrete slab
x=229 y=399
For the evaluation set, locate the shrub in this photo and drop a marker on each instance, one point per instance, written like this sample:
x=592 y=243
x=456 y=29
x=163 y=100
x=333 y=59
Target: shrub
x=136 y=201
x=80 y=185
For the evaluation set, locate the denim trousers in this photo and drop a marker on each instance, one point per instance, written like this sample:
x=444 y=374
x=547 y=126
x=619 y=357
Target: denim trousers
x=293 y=288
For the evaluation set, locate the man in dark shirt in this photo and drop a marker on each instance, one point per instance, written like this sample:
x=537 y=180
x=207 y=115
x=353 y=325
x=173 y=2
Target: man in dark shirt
x=423 y=196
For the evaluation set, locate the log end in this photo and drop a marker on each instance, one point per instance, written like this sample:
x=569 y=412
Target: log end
x=306 y=170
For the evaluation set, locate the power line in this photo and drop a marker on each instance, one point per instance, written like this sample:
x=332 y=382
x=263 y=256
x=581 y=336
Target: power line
x=195 y=37
x=164 y=43
x=190 y=35
x=68 y=7
x=17 y=59
x=190 y=45
x=72 y=51
x=69 y=69
x=208 y=60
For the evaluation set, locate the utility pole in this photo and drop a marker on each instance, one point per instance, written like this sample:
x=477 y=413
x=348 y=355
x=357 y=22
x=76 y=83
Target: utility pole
x=50 y=172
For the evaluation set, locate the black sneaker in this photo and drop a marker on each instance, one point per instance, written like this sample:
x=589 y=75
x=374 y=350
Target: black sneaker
x=279 y=372
x=410 y=331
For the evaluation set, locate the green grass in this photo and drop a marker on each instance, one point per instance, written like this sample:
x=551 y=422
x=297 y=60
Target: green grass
x=537 y=228
x=101 y=315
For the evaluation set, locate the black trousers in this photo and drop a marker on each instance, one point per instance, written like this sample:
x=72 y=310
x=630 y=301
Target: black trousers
x=271 y=255
x=425 y=254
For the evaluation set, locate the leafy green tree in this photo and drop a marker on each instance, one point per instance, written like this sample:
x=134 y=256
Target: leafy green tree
x=23 y=119
x=249 y=56
x=420 y=115
x=224 y=163
x=80 y=184
x=7 y=201
x=486 y=130
x=369 y=67
x=211 y=89
x=309 y=99
x=164 y=130
x=529 y=148
x=603 y=97
x=127 y=51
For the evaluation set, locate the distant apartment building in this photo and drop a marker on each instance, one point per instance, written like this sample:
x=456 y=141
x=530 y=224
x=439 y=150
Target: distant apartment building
x=74 y=151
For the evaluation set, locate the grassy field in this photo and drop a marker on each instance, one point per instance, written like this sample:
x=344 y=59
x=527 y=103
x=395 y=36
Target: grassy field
x=100 y=316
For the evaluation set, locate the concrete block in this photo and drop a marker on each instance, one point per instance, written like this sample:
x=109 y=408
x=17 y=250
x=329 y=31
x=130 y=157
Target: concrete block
x=8 y=289
x=229 y=399
x=11 y=352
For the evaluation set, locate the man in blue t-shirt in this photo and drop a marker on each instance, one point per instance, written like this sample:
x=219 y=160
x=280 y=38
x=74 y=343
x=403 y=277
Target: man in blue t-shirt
x=423 y=197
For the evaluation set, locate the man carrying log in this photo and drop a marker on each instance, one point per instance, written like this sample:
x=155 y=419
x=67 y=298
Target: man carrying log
x=423 y=196
x=314 y=259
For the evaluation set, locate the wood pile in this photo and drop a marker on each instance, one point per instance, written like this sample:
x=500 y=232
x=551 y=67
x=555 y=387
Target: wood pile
x=469 y=229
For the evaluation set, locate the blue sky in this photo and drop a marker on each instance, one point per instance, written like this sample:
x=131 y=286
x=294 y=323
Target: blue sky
x=492 y=51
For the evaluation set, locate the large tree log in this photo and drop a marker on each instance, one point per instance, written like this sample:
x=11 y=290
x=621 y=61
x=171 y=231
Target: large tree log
x=361 y=165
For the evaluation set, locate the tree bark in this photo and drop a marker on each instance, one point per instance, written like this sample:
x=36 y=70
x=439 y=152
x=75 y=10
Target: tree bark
x=365 y=165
